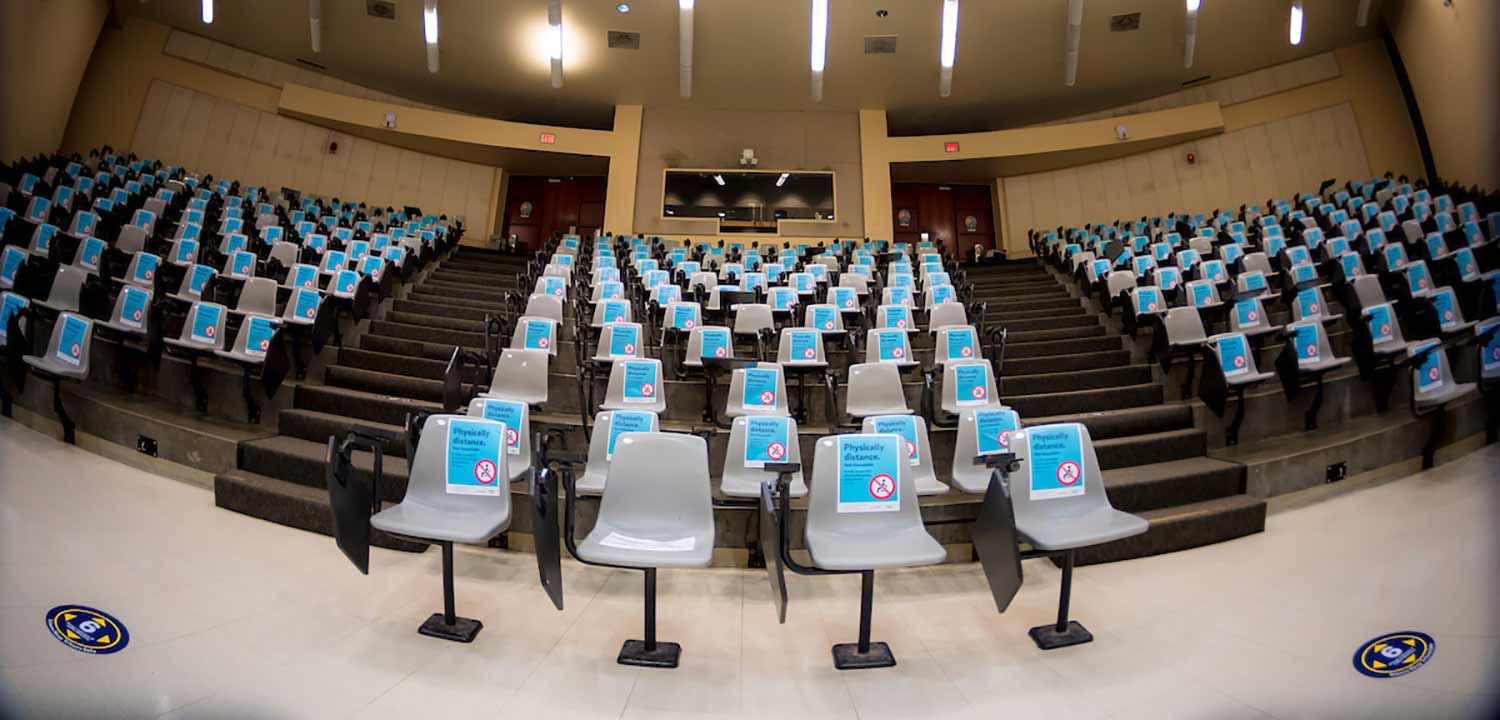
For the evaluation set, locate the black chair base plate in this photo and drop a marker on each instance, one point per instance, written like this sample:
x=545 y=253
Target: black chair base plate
x=634 y=652
x=846 y=656
x=1047 y=637
x=462 y=630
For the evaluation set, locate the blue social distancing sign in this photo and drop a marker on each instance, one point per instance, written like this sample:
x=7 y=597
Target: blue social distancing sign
x=767 y=440
x=1056 y=454
x=474 y=456
x=869 y=473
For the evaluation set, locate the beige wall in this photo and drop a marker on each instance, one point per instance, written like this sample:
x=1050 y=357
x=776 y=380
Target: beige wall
x=1452 y=58
x=1247 y=165
x=44 y=49
x=688 y=138
x=216 y=135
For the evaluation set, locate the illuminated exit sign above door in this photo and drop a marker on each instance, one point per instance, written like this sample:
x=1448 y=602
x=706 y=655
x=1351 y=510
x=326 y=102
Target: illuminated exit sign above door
x=548 y=138
x=950 y=147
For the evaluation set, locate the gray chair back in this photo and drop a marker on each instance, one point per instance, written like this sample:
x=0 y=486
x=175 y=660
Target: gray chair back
x=824 y=513
x=1184 y=326
x=647 y=372
x=968 y=384
x=874 y=389
x=72 y=358
x=429 y=483
x=258 y=297
x=520 y=375
x=516 y=416
x=743 y=400
x=1000 y=425
x=792 y=348
x=650 y=497
x=211 y=336
x=544 y=305
x=740 y=479
x=67 y=287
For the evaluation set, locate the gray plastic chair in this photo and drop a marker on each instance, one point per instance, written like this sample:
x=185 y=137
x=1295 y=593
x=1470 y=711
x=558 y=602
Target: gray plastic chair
x=895 y=317
x=784 y=356
x=284 y=252
x=1325 y=360
x=1184 y=328
x=66 y=363
x=952 y=403
x=693 y=356
x=956 y=343
x=605 y=350
x=433 y=511
x=291 y=315
x=212 y=340
x=517 y=433
x=131 y=240
x=810 y=314
x=520 y=375
x=596 y=471
x=648 y=500
x=750 y=319
x=1317 y=308
x=865 y=540
x=965 y=475
x=67 y=287
x=903 y=356
x=1254 y=321
x=735 y=405
x=544 y=305
x=1441 y=389
x=258 y=297
x=874 y=389
x=614 y=394
x=240 y=352
x=741 y=480
x=1367 y=291
x=1248 y=375
x=1451 y=321
x=139 y=322
x=1066 y=522
x=599 y=319
x=518 y=336
x=924 y=473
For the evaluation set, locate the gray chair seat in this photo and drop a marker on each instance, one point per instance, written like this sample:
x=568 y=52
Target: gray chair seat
x=1249 y=378
x=240 y=356
x=879 y=548
x=1425 y=401
x=412 y=518
x=1098 y=524
x=592 y=548
x=1393 y=347
x=193 y=346
x=52 y=366
x=121 y=328
x=1323 y=365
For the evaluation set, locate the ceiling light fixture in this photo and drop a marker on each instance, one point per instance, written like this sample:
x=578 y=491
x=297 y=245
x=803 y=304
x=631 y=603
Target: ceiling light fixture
x=685 y=47
x=719 y=179
x=1191 y=40
x=623 y=7
x=1363 y=17
x=1295 y=31
x=948 y=49
x=208 y=12
x=781 y=180
x=314 y=23
x=819 y=55
x=1075 y=31
x=555 y=40
x=430 y=33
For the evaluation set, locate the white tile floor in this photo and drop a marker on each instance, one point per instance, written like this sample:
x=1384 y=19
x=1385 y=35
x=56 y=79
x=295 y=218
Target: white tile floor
x=235 y=617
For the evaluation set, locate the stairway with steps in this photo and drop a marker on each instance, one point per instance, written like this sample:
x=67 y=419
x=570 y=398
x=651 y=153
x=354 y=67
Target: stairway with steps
x=1063 y=364
x=396 y=369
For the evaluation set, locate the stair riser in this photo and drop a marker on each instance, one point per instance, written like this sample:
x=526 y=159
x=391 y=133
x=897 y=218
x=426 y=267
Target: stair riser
x=1091 y=401
x=1171 y=536
x=1015 y=350
x=1076 y=380
x=313 y=473
x=1148 y=449
x=294 y=512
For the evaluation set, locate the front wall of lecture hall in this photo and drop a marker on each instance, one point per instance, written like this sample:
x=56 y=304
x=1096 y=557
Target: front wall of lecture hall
x=704 y=359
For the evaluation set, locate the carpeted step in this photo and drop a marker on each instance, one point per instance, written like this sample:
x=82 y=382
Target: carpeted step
x=455 y=293
x=1153 y=486
x=493 y=308
x=452 y=310
x=1126 y=421
x=427 y=334
x=403 y=346
x=359 y=404
x=384 y=383
x=1068 y=380
x=400 y=364
x=289 y=504
x=1063 y=312
x=444 y=321
x=1184 y=526
x=1018 y=350
x=305 y=462
x=1000 y=307
x=1020 y=325
x=1021 y=367
x=1151 y=448
x=318 y=426
x=1081 y=401
x=1042 y=334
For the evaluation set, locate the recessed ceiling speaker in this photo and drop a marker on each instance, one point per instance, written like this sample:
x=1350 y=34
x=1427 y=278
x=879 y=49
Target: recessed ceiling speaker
x=880 y=44
x=1125 y=23
x=383 y=9
x=622 y=40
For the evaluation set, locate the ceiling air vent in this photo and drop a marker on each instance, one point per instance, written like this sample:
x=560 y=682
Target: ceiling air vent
x=880 y=44
x=1196 y=80
x=311 y=64
x=621 y=40
x=1125 y=23
x=383 y=9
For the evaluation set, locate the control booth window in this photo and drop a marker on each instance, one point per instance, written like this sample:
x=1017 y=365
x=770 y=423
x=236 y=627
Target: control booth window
x=748 y=201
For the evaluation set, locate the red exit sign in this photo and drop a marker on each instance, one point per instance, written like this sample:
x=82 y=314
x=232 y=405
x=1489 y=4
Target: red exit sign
x=549 y=138
x=950 y=147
